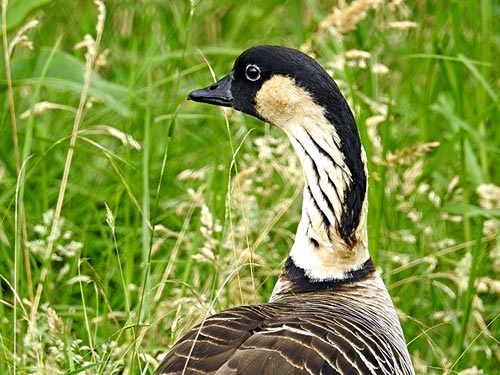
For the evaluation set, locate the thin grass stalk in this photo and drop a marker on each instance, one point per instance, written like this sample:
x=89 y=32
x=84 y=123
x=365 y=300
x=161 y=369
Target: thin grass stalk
x=16 y=155
x=229 y=208
x=176 y=248
x=20 y=227
x=10 y=93
x=25 y=156
x=85 y=312
x=471 y=344
x=168 y=269
x=146 y=238
x=128 y=214
x=485 y=55
x=8 y=50
x=110 y=220
x=170 y=132
x=471 y=289
x=146 y=221
x=146 y=231
x=91 y=57
x=175 y=251
x=17 y=251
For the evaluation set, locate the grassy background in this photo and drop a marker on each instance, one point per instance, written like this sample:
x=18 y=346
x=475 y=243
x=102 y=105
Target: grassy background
x=171 y=212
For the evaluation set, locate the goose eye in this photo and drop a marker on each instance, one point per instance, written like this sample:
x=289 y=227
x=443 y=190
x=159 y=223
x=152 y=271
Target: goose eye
x=252 y=72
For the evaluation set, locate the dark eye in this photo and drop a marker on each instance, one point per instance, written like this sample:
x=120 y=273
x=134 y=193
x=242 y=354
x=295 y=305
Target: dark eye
x=252 y=72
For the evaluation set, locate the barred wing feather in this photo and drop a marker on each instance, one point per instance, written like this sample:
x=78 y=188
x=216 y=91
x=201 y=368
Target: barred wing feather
x=327 y=335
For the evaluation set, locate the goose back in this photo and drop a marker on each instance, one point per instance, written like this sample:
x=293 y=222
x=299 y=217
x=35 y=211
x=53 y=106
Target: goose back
x=350 y=329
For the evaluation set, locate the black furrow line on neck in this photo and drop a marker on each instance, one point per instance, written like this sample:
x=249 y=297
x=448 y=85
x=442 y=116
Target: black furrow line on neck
x=324 y=217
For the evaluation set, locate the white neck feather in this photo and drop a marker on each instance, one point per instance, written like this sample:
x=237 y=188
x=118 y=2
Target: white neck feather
x=319 y=248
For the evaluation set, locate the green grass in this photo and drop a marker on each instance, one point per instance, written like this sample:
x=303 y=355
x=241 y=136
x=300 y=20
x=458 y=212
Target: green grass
x=143 y=250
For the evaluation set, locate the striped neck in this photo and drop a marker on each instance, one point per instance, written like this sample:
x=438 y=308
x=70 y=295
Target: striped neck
x=331 y=243
x=331 y=240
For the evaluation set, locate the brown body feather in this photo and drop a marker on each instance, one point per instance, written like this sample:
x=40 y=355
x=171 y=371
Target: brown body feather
x=351 y=329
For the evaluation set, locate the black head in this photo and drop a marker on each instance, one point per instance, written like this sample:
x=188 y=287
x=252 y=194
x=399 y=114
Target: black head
x=257 y=65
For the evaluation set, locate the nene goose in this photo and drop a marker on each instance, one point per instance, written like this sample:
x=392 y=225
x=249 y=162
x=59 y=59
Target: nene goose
x=330 y=312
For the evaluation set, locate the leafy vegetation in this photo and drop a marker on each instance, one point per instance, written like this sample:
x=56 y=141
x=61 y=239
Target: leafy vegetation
x=128 y=214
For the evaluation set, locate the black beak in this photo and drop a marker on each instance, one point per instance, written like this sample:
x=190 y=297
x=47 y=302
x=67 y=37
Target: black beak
x=219 y=93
